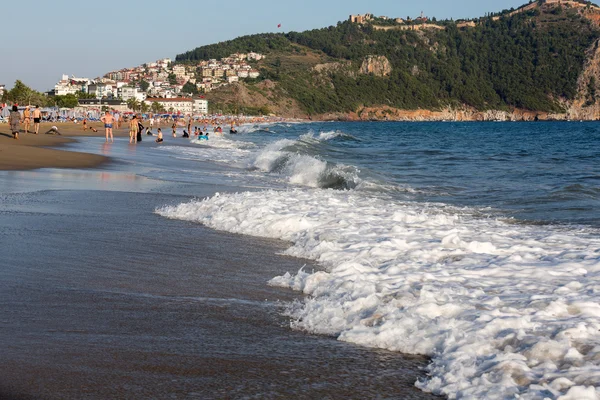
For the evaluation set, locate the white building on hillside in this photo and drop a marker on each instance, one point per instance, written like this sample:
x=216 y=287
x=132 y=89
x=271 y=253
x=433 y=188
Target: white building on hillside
x=71 y=85
x=182 y=105
x=200 y=106
x=179 y=71
x=128 y=92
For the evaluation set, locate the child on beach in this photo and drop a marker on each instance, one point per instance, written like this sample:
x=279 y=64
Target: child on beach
x=159 y=139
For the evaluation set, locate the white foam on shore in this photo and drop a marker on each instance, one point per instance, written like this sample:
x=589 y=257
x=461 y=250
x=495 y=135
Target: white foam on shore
x=503 y=310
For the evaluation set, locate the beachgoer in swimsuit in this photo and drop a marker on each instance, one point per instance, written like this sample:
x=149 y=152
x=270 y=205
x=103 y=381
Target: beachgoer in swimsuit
x=159 y=139
x=108 y=120
x=133 y=130
x=14 y=119
x=84 y=124
x=174 y=129
x=37 y=118
x=26 y=119
x=53 y=131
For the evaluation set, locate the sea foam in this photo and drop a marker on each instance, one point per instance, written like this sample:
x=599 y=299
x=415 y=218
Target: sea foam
x=299 y=168
x=503 y=310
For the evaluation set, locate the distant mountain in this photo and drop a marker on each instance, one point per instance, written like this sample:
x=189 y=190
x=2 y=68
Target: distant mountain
x=541 y=60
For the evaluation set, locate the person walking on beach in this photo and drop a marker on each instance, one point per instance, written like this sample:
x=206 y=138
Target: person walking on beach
x=14 y=117
x=108 y=121
x=26 y=119
x=37 y=118
x=133 y=129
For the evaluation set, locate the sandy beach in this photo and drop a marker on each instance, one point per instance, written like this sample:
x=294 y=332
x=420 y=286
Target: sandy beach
x=32 y=151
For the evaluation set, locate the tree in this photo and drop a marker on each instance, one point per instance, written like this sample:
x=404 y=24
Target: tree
x=144 y=107
x=144 y=85
x=133 y=104
x=84 y=95
x=156 y=107
x=172 y=79
x=20 y=93
x=67 y=101
x=190 y=88
x=23 y=94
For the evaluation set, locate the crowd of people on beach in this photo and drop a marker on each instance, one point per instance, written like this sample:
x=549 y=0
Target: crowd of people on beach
x=199 y=126
x=137 y=129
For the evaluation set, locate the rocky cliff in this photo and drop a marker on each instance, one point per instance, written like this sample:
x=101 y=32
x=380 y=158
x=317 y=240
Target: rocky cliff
x=376 y=65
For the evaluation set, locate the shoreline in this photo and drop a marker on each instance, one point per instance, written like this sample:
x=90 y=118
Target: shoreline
x=39 y=151
x=115 y=301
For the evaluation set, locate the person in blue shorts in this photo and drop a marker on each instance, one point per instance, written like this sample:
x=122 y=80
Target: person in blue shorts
x=108 y=121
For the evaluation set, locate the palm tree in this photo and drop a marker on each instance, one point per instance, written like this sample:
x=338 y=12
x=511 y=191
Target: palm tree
x=133 y=104
x=156 y=107
x=144 y=107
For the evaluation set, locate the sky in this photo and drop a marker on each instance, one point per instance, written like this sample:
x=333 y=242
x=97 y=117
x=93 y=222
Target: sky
x=89 y=38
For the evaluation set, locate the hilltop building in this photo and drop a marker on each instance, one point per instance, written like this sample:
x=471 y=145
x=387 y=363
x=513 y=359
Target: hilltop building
x=361 y=19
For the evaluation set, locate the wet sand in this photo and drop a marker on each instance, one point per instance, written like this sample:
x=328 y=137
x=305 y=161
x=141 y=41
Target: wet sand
x=101 y=298
x=31 y=151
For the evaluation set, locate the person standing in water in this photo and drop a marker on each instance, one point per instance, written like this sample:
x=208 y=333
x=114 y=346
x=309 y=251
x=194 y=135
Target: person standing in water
x=37 y=118
x=133 y=130
x=108 y=121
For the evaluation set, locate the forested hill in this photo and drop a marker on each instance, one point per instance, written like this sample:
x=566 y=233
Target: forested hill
x=532 y=60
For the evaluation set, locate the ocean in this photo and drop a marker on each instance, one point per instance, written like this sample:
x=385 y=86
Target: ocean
x=476 y=245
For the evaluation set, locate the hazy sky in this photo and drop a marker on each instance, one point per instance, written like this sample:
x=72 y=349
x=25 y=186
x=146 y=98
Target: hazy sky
x=45 y=39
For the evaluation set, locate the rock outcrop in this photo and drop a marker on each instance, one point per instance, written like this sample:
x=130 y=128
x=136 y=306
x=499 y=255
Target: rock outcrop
x=376 y=65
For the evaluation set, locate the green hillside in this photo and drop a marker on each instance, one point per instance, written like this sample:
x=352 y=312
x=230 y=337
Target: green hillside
x=530 y=60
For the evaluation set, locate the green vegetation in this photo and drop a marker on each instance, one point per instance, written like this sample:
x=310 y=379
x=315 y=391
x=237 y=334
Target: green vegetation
x=531 y=60
x=262 y=43
x=233 y=109
x=24 y=95
x=189 y=88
